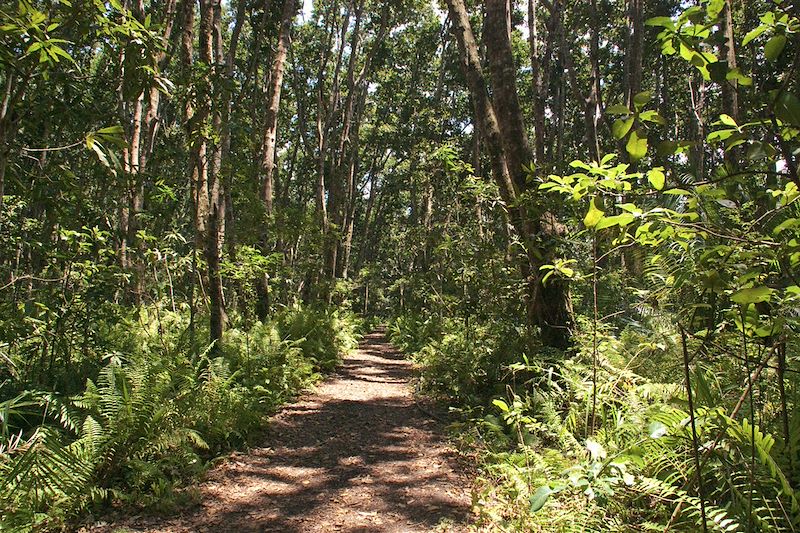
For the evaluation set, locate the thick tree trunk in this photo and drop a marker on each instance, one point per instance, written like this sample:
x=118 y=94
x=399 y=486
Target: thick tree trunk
x=504 y=92
x=503 y=131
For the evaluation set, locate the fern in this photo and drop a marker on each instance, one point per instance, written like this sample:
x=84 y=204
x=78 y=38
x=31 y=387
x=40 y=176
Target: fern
x=718 y=519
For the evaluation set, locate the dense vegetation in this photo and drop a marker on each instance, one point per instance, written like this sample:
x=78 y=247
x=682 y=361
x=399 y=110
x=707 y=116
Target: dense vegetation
x=580 y=218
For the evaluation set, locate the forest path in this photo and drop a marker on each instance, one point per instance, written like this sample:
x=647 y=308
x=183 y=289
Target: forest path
x=355 y=455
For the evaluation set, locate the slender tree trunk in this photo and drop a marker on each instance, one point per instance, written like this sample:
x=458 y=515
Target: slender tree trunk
x=730 y=88
x=273 y=104
x=208 y=192
x=634 y=50
x=269 y=140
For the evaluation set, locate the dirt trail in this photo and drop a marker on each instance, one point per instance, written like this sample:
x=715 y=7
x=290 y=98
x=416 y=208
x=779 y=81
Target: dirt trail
x=356 y=455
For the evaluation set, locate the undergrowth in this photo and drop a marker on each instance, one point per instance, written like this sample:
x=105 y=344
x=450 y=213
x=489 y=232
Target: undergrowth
x=561 y=452
x=154 y=414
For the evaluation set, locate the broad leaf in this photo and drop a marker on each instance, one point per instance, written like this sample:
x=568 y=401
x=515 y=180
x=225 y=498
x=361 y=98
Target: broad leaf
x=620 y=127
x=653 y=116
x=539 y=498
x=752 y=295
x=637 y=146
x=664 y=22
x=642 y=98
x=774 y=47
x=500 y=404
x=656 y=178
x=787 y=108
x=754 y=34
x=618 y=109
x=593 y=216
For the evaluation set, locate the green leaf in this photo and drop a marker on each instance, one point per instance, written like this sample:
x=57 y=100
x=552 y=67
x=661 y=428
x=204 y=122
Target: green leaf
x=594 y=215
x=111 y=130
x=774 y=47
x=664 y=22
x=539 y=498
x=620 y=220
x=752 y=295
x=618 y=109
x=637 y=146
x=686 y=52
x=714 y=8
x=789 y=223
x=656 y=178
x=620 y=128
x=653 y=116
x=56 y=51
x=741 y=79
x=719 y=135
x=754 y=34
x=728 y=120
x=500 y=404
x=642 y=98
x=787 y=108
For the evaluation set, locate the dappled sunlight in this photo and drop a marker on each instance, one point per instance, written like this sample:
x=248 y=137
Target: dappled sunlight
x=356 y=455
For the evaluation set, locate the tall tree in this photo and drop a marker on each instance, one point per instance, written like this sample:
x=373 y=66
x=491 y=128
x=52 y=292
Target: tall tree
x=501 y=122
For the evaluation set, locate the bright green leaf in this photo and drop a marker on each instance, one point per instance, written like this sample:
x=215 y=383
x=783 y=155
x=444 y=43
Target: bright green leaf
x=653 y=116
x=754 y=34
x=620 y=220
x=656 y=178
x=728 y=120
x=500 y=404
x=539 y=498
x=618 y=109
x=593 y=216
x=620 y=128
x=664 y=22
x=642 y=98
x=636 y=146
x=741 y=79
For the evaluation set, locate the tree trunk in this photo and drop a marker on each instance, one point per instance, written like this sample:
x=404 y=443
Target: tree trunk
x=273 y=104
x=208 y=193
x=634 y=50
x=503 y=131
x=269 y=140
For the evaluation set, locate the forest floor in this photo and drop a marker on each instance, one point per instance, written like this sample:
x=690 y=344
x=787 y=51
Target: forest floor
x=357 y=454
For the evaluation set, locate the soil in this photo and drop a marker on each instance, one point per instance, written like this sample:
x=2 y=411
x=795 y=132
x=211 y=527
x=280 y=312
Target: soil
x=358 y=454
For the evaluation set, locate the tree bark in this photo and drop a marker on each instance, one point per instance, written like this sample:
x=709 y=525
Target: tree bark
x=634 y=50
x=503 y=131
x=273 y=104
x=209 y=208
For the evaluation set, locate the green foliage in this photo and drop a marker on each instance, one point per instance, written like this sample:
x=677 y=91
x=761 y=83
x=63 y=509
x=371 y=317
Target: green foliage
x=151 y=419
x=323 y=335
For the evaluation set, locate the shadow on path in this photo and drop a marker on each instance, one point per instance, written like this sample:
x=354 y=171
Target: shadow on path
x=357 y=455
